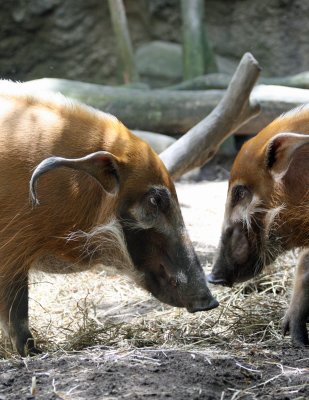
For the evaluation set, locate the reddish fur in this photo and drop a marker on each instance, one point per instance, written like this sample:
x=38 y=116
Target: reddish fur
x=33 y=128
x=292 y=191
x=250 y=169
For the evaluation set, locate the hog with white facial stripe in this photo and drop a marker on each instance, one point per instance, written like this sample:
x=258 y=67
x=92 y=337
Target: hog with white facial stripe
x=267 y=211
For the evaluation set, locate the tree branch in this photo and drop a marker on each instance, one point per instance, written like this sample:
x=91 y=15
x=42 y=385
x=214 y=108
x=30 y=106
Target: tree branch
x=201 y=142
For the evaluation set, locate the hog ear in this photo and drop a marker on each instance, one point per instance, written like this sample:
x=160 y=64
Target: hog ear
x=102 y=166
x=280 y=151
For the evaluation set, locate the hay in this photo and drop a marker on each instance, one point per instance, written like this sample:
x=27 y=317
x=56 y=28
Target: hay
x=72 y=313
x=92 y=308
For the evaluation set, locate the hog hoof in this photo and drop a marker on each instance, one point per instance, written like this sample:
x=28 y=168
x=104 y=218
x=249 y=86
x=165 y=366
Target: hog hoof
x=28 y=348
x=297 y=329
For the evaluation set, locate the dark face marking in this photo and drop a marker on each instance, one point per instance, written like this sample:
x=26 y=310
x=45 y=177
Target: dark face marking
x=239 y=192
x=162 y=251
x=160 y=198
x=155 y=203
x=237 y=259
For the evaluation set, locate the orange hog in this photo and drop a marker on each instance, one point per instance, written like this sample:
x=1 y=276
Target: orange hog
x=267 y=211
x=106 y=199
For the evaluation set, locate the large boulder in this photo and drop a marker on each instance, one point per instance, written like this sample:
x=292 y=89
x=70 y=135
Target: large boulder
x=159 y=63
x=73 y=39
x=275 y=32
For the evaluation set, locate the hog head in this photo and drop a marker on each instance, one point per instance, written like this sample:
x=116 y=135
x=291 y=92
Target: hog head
x=266 y=206
x=158 y=242
x=149 y=222
x=161 y=250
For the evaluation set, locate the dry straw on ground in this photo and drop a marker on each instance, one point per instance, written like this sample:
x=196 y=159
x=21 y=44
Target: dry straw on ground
x=96 y=308
x=72 y=313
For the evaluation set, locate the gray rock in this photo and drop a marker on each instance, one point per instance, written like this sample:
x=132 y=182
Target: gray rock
x=276 y=32
x=227 y=65
x=160 y=63
x=73 y=39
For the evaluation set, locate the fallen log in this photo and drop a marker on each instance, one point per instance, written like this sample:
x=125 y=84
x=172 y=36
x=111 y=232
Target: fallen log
x=157 y=110
x=221 y=81
x=157 y=141
x=203 y=82
x=201 y=142
x=274 y=101
x=168 y=111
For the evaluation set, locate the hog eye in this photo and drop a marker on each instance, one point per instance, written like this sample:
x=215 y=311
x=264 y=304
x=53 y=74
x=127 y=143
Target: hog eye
x=159 y=198
x=173 y=282
x=239 y=192
x=153 y=201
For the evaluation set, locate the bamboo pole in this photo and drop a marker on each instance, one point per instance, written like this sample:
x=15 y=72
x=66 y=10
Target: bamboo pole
x=198 y=57
x=193 y=41
x=125 y=51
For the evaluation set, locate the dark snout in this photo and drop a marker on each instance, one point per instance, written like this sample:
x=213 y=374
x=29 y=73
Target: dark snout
x=205 y=303
x=218 y=280
x=191 y=290
x=173 y=285
x=238 y=258
x=223 y=271
x=170 y=269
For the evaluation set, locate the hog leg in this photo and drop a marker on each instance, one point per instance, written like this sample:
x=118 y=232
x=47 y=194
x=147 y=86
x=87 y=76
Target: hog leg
x=296 y=317
x=14 y=314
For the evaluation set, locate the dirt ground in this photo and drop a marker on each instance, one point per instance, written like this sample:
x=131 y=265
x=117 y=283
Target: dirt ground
x=103 y=374
x=106 y=339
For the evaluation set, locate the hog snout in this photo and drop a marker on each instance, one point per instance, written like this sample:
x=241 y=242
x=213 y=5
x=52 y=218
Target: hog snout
x=188 y=290
x=222 y=273
x=196 y=295
x=204 y=303
x=217 y=280
x=237 y=259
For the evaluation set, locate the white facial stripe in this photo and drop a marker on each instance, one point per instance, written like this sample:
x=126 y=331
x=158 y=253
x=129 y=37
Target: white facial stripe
x=270 y=217
x=244 y=213
x=279 y=175
x=182 y=278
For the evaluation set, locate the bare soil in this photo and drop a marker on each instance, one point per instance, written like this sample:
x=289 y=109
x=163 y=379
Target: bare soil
x=119 y=343
x=99 y=374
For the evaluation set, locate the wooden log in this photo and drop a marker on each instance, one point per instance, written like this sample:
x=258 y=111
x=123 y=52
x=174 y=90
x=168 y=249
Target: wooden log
x=203 y=82
x=157 y=110
x=221 y=81
x=125 y=52
x=201 y=142
x=274 y=101
x=168 y=111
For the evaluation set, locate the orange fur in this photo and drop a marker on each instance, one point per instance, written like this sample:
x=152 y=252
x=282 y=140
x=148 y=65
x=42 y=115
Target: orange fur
x=292 y=191
x=34 y=127
x=276 y=170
